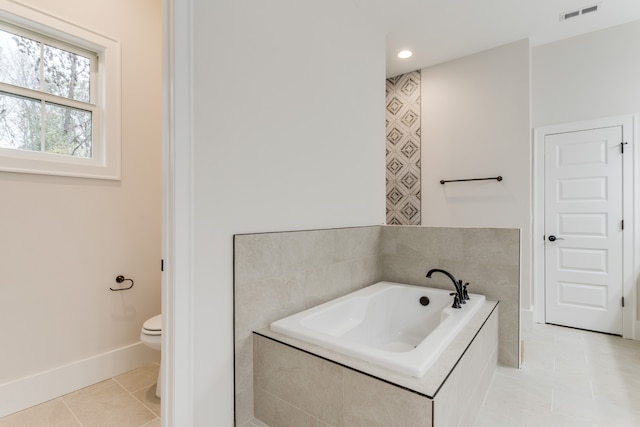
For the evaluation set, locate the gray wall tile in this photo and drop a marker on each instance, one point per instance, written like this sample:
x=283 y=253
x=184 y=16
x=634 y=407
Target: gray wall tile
x=305 y=381
x=469 y=382
x=433 y=243
x=306 y=249
x=369 y=402
x=278 y=274
x=259 y=302
x=277 y=413
x=257 y=256
x=244 y=406
x=358 y=242
x=244 y=363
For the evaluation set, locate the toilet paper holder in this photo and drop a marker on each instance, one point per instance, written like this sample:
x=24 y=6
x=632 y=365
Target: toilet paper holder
x=120 y=279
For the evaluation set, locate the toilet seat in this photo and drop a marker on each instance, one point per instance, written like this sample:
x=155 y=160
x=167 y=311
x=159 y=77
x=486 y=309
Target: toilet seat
x=153 y=326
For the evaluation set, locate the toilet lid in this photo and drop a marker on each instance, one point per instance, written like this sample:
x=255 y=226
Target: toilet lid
x=153 y=326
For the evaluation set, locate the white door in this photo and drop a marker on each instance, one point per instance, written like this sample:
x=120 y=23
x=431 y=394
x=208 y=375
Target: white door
x=583 y=229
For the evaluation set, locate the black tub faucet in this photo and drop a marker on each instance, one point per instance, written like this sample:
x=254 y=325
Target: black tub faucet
x=456 y=283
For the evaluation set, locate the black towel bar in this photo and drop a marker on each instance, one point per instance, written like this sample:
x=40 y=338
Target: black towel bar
x=497 y=178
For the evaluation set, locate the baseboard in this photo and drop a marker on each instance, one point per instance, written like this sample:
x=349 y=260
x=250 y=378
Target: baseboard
x=33 y=390
x=526 y=320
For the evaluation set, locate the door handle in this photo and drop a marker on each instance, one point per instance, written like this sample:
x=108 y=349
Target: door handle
x=553 y=238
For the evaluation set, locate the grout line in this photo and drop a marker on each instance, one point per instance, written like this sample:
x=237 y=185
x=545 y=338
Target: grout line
x=145 y=406
x=592 y=358
x=136 y=399
x=140 y=401
x=70 y=410
x=343 y=394
x=73 y=414
x=254 y=422
x=289 y=404
x=149 y=422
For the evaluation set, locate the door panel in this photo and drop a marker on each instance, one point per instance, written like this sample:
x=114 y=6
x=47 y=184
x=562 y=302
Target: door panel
x=583 y=295
x=583 y=210
x=582 y=153
x=583 y=225
x=582 y=189
x=582 y=260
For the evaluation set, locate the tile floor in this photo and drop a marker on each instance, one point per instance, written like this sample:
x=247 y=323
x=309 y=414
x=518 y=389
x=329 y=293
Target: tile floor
x=569 y=378
x=127 y=400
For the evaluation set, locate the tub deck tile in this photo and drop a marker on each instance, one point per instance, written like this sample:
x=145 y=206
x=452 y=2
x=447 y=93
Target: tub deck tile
x=428 y=385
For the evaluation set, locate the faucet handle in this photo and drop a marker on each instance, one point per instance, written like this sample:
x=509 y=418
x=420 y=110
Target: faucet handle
x=465 y=294
x=460 y=290
x=456 y=300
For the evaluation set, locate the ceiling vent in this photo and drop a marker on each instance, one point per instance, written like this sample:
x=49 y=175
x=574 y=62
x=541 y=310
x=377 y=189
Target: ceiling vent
x=582 y=11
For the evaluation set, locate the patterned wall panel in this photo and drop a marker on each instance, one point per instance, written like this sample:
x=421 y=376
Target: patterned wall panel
x=403 y=149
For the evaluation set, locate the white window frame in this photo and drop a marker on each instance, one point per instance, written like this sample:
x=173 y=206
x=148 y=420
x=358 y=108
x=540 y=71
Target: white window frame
x=106 y=117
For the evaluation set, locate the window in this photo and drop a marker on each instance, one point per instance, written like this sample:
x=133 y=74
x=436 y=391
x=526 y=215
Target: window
x=46 y=102
x=59 y=97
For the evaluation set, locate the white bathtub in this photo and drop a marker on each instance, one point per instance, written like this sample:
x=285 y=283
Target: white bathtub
x=384 y=324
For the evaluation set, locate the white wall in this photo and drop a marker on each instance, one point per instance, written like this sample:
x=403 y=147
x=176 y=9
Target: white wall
x=476 y=123
x=288 y=134
x=64 y=240
x=590 y=76
x=587 y=77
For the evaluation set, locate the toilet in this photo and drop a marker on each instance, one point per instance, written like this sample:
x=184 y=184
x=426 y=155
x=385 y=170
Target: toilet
x=151 y=336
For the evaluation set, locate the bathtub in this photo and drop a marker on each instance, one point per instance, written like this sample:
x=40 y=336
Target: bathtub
x=384 y=324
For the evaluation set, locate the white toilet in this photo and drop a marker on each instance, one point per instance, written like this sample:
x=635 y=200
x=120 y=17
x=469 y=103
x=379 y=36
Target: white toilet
x=151 y=336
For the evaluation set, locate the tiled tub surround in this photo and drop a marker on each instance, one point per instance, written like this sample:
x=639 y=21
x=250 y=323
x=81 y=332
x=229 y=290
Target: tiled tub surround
x=278 y=274
x=299 y=384
x=488 y=258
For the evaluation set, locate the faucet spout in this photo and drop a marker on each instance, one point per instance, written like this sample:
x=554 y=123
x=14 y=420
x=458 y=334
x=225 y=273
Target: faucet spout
x=456 y=283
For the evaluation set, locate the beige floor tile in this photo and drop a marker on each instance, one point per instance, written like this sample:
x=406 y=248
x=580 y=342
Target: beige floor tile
x=577 y=405
x=594 y=380
x=49 y=414
x=107 y=404
x=609 y=414
x=510 y=418
x=139 y=378
x=576 y=366
x=153 y=423
x=147 y=396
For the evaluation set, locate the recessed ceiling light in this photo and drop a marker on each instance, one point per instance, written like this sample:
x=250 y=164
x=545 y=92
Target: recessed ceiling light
x=404 y=54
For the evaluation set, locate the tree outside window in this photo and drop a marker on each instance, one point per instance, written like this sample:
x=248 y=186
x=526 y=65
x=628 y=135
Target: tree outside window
x=46 y=100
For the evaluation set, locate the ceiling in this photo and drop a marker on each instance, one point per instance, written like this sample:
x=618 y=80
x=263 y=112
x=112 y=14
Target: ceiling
x=440 y=30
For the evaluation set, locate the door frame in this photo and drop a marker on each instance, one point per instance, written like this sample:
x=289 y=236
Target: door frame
x=630 y=239
x=178 y=340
